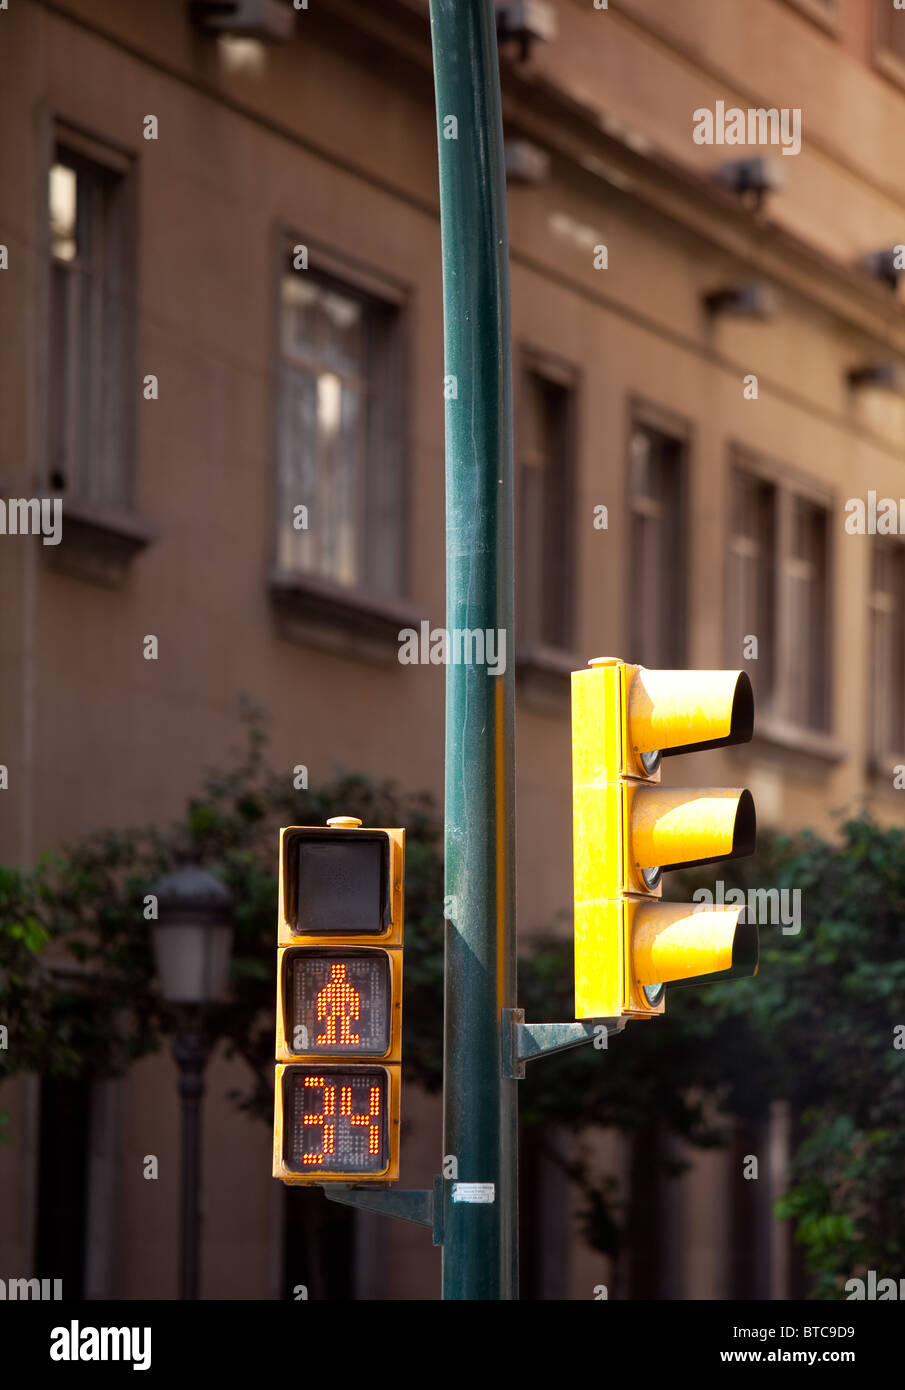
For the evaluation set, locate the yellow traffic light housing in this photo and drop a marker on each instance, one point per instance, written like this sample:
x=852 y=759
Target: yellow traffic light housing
x=628 y=829
x=339 y=1004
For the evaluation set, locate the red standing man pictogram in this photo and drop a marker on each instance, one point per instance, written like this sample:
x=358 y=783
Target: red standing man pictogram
x=338 y=1000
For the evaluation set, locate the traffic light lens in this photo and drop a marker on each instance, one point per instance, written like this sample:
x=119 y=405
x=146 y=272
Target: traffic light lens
x=341 y=886
x=339 y=1002
x=335 y=1120
x=653 y=993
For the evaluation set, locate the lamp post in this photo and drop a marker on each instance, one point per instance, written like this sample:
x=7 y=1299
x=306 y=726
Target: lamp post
x=192 y=941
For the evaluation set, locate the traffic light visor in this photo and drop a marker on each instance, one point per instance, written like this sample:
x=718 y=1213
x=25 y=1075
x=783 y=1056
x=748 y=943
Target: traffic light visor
x=672 y=712
x=675 y=828
x=339 y=884
x=675 y=944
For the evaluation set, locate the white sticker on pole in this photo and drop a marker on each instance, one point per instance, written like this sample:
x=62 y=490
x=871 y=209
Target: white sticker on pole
x=473 y=1192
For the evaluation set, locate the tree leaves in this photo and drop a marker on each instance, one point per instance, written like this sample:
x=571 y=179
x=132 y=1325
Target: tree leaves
x=816 y=1027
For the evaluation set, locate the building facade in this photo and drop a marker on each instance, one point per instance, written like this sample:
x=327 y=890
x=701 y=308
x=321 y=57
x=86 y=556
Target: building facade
x=222 y=351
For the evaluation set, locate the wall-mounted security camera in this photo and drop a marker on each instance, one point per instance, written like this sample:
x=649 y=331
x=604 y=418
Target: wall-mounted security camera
x=752 y=179
x=885 y=264
x=526 y=22
x=249 y=19
x=754 y=300
x=884 y=376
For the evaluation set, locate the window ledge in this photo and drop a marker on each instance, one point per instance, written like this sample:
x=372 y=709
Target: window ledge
x=544 y=677
x=98 y=543
x=795 y=739
x=819 y=13
x=349 y=622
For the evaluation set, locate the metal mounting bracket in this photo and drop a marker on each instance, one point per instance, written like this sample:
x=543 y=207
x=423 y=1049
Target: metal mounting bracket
x=423 y=1206
x=522 y=1042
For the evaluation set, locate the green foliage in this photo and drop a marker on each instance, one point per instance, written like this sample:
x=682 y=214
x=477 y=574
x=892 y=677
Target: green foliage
x=23 y=937
x=816 y=1027
x=99 y=1007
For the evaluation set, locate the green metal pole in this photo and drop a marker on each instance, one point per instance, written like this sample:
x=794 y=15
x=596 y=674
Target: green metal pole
x=480 y=1105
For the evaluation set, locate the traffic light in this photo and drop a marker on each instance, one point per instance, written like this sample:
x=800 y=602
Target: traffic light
x=339 y=1004
x=628 y=829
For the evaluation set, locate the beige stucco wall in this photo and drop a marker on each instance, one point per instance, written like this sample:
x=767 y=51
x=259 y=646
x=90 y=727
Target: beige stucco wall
x=338 y=144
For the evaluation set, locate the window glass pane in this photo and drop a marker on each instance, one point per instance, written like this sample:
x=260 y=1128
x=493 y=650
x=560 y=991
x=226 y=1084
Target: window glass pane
x=63 y=188
x=299 y=315
x=530 y=567
x=657 y=575
x=88 y=198
x=88 y=351
x=807 y=597
x=342 y=334
x=297 y=469
x=887 y=603
x=83 y=405
x=557 y=503
x=546 y=468
x=60 y=285
x=347 y=460
x=750 y=588
x=639 y=449
x=339 y=452
x=651 y=597
x=113 y=473
x=383 y=429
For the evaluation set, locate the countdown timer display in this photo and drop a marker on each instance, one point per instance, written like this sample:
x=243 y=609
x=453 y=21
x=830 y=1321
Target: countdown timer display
x=338 y=1002
x=335 y=1120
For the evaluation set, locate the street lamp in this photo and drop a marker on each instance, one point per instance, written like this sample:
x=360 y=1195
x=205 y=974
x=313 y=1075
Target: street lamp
x=192 y=941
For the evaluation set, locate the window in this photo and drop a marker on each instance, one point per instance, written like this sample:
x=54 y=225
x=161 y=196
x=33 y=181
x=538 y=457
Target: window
x=545 y=509
x=887 y=640
x=889 y=39
x=750 y=601
x=777 y=591
x=88 y=330
x=63 y=1185
x=657 y=470
x=340 y=497
x=804 y=601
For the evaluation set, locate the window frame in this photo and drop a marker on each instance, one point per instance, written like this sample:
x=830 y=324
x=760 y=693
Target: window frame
x=885 y=59
x=741 y=469
x=644 y=413
x=119 y=165
x=309 y=610
x=790 y=483
x=533 y=360
x=880 y=759
x=395 y=296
